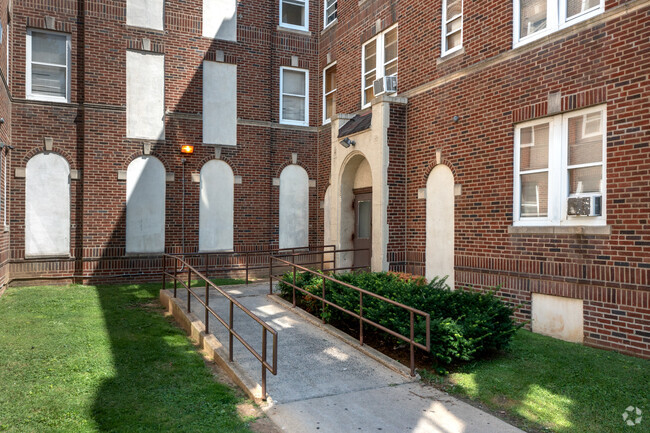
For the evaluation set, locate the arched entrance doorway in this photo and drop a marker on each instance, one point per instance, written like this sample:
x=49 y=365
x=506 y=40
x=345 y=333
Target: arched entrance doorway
x=356 y=211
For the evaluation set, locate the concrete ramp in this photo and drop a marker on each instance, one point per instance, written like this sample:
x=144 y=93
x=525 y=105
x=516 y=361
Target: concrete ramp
x=325 y=383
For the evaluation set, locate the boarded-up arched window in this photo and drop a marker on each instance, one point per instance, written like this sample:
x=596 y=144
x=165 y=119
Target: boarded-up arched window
x=145 y=206
x=47 y=206
x=216 y=207
x=294 y=207
x=440 y=224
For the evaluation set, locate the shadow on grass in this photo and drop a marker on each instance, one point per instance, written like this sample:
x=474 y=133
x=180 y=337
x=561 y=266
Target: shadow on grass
x=160 y=382
x=560 y=386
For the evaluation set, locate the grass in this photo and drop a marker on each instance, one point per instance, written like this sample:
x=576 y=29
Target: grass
x=103 y=359
x=551 y=385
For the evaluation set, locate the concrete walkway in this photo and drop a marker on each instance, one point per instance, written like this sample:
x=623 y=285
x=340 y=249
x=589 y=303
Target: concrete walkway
x=324 y=383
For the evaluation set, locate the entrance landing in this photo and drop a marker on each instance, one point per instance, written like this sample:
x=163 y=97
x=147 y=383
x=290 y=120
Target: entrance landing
x=325 y=384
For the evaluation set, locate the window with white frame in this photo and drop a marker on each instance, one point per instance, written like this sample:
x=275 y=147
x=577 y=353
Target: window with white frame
x=379 y=59
x=329 y=93
x=330 y=12
x=48 y=66
x=556 y=158
x=535 y=18
x=294 y=14
x=294 y=96
x=452 y=26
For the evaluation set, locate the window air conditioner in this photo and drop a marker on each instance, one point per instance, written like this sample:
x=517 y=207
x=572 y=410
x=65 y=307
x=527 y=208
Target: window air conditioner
x=385 y=85
x=585 y=206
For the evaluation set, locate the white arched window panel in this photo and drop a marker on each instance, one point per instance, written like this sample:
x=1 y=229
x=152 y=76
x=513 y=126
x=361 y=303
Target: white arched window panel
x=220 y=19
x=294 y=207
x=440 y=224
x=216 y=207
x=145 y=206
x=47 y=206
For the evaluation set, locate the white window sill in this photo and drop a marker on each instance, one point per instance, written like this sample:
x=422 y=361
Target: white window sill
x=451 y=55
x=296 y=30
x=561 y=230
x=43 y=98
x=293 y=123
x=327 y=121
x=48 y=257
x=329 y=26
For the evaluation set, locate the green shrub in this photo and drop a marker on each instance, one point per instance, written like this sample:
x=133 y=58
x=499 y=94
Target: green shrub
x=465 y=325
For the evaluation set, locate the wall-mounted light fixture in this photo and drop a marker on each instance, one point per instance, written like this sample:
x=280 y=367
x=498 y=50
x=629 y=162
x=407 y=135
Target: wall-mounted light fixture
x=346 y=142
x=455 y=119
x=187 y=148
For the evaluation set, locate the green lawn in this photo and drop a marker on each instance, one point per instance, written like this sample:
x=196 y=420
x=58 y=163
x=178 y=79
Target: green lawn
x=551 y=385
x=103 y=359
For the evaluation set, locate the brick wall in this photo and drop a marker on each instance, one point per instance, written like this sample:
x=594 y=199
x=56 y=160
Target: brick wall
x=491 y=87
x=5 y=137
x=90 y=132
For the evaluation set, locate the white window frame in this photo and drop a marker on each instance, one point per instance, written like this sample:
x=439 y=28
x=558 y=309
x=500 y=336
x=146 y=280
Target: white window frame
x=289 y=121
x=326 y=94
x=445 y=20
x=28 y=67
x=556 y=19
x=325 y=16
x=305 y=15
x=558 y=173
x=380 y=64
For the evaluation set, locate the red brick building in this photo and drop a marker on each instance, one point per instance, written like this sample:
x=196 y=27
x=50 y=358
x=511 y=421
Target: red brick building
x=511 y=149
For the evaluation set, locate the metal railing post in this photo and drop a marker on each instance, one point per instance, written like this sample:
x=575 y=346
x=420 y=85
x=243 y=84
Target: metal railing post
x=322 y=314
x=246 y=267
x=270 y=275
x=361 y=318
x=294 y=286
x=412 y=347
x=230 y=325
x=175 y=276
x=322 y=259
x=207 y=277
x=189 y=284
x=207 y=305
x=164 y=269
x=263 y=363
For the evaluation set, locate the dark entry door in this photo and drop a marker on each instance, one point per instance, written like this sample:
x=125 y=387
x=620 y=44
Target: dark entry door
x=363 y=227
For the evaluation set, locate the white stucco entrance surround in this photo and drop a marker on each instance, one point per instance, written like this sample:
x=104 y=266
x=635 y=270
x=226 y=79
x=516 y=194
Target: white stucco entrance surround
x=440 y=224
x=371 y=145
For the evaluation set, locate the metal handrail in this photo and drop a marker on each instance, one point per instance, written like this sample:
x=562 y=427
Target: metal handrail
x=266 y=328
x=264 y=253
x=412 y=311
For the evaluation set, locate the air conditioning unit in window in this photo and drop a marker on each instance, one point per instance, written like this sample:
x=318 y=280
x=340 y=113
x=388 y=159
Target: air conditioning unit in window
x=585 y=206
x=385 y=85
